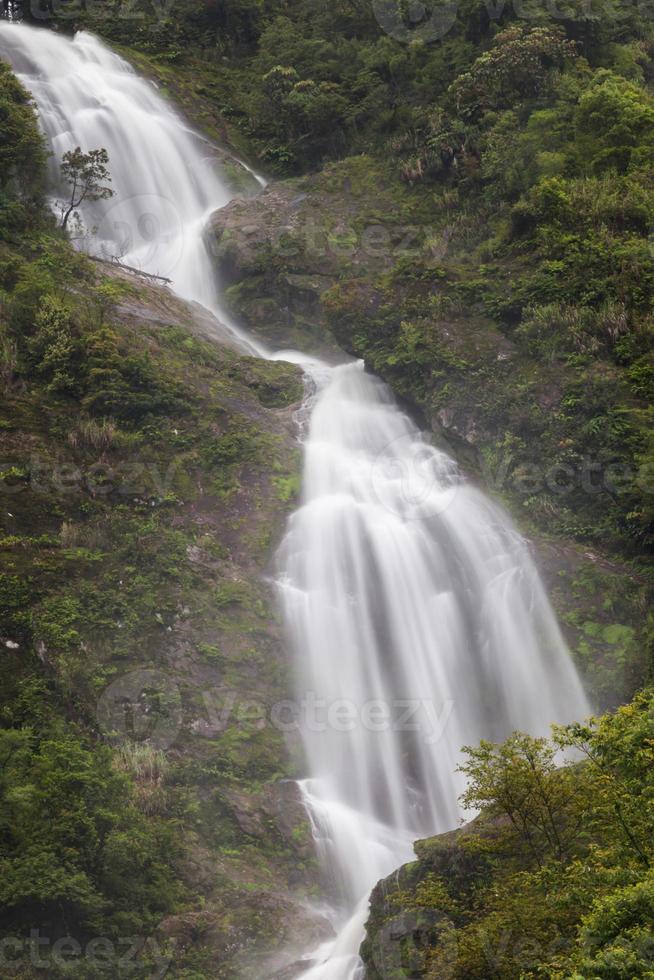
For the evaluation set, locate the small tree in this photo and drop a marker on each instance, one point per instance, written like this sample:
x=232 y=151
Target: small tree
x=87 y=175
x=522 y=781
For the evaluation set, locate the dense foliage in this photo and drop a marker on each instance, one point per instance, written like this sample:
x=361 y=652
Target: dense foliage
x=551 y=240
x=76 y=851
x=22 y=156
x=309 y=81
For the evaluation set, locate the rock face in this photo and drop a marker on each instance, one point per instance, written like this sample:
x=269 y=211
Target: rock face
x=300 y=269
x=251 y=854
x=252 y=245
x=280 y=252
x=412 y=928
x=146 y=301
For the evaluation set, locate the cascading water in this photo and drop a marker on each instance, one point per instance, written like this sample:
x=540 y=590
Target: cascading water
x=417 y=617
x=163 y=174
x=419 y=624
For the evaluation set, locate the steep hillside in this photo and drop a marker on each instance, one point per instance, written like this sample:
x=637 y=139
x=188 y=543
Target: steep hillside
x=147 y=469
x=352 y=256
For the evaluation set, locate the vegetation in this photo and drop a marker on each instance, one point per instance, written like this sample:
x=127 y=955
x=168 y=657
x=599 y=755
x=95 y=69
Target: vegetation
x=554 y=879
x=519 y=150
x=22 y=156
x=88 y=177
x=473 y=219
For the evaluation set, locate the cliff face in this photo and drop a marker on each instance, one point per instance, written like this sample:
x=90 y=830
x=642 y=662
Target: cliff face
x=350 y=256
x=147 y=468
x=488 y=253
x=411 y=933
x=250 y=857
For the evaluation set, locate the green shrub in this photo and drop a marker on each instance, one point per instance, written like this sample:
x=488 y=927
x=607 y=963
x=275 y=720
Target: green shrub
x=614 y=126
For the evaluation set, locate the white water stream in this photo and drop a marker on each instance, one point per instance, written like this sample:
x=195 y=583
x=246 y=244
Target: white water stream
x=416 y=616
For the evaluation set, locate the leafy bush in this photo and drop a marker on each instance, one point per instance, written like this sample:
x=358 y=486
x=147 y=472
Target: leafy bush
x=519 y=66
x=614 y=126
x=22 y=148
x=55 y=348
x=555 y=876
x=68 y=824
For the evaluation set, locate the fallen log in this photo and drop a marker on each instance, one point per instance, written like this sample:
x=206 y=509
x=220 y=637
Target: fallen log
x=130 y=268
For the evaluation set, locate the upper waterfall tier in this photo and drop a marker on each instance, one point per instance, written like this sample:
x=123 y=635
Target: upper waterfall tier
x=163 y=174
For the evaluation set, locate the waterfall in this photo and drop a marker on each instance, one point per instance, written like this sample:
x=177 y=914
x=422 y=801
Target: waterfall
x=163 y=174
x=419 y=625
x=415 y=614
